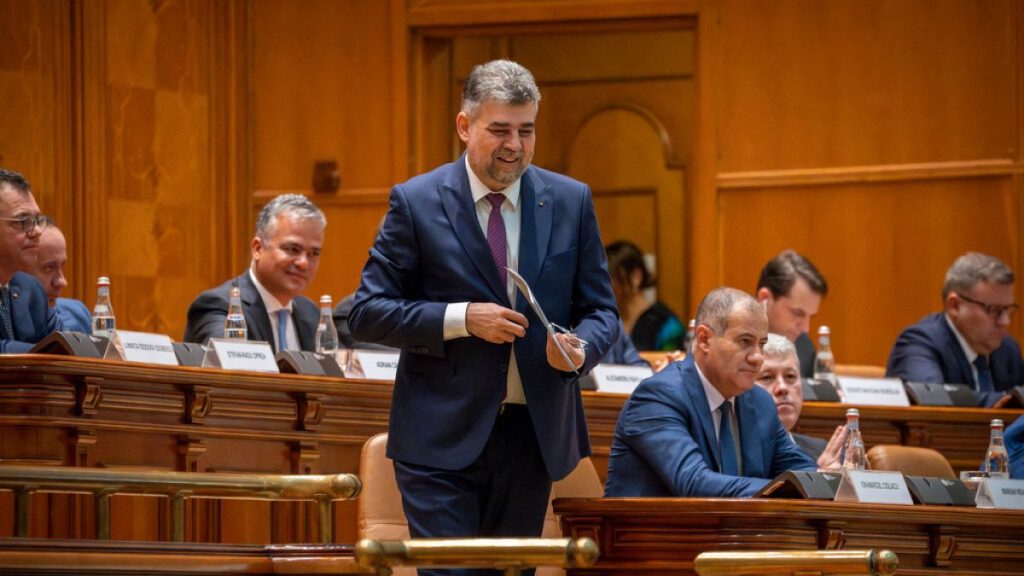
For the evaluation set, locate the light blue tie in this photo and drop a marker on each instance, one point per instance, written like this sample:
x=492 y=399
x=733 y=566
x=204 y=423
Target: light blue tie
x=282 y=329
x=726 y=442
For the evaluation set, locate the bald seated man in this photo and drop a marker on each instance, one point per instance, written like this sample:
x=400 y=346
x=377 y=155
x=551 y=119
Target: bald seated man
x=701 y=427
x=47 y=266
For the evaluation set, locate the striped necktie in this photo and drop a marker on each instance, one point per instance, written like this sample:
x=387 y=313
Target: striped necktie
x=5 y=312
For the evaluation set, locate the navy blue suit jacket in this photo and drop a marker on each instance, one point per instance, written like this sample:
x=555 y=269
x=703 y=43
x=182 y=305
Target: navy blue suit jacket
x=74 y=315
x=31 y=316
x=430 y=252
x=929 y=352
x=665 y=442
x=1013 y=438
x=209 y=310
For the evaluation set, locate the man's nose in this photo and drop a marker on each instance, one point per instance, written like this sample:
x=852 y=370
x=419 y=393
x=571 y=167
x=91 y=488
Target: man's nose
x=60 y=282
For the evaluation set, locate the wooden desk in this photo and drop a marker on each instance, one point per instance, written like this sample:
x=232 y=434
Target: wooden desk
x=664 y=535
x=63 y=411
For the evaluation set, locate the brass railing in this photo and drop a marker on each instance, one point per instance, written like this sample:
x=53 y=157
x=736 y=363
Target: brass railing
x=817 y=562
x=508 y=554
x=177 y=487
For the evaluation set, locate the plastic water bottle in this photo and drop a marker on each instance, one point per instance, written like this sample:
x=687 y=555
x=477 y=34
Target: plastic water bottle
x=854 y=457
x=234 y=324
x=825 y=363
x=997 y=462
x=326 y=331
x=103 y=312
x=691 y=333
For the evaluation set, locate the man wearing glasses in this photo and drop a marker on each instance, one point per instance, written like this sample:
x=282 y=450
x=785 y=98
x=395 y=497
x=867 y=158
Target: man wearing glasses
x=25 y=316
x=968 y=343
x=285 y=256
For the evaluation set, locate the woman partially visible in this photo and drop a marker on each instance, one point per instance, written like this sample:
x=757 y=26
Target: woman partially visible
x=651 y=326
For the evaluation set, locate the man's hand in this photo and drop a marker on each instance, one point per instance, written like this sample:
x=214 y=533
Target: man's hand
x=495 y=324
x=571 y=344
x=669 y=357
x=831 y=457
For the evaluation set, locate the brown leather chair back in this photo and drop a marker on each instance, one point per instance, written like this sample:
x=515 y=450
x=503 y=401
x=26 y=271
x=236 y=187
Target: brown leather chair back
x=380 y=504
x=909 y=460
x=583 y=482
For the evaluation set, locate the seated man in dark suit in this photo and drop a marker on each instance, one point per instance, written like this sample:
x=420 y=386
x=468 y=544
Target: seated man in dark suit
x=285 y=255
x=780 y=377
x=791 y=290
x=25 y=317
x=678 y=435
x=967 y=343
x=48 y=267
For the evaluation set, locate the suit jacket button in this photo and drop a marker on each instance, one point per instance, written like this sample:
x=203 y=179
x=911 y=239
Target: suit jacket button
x=503 y=367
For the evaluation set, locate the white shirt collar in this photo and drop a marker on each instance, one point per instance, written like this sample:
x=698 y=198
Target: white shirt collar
x=715 y=398
x=269 y=301
x=479 y=189
x=968 y=351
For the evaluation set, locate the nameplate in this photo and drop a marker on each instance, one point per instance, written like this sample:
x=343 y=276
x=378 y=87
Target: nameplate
x=619 y=378
x=240 y=355
x=377 y=365
x=1001 y=493
x=873 y=487
x=141 y=347
x=873 y=391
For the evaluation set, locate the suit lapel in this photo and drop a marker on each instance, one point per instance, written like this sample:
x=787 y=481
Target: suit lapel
x=963 y=367
x=699 y=400
x=255 y=312
x=457 y=200
x=746 y=419
x=307 y=319
x=536 y=216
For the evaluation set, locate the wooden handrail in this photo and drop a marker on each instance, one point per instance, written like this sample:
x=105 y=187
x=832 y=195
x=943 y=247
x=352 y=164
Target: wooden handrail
x=101 y=484
x=849 y=562
x=508 y=554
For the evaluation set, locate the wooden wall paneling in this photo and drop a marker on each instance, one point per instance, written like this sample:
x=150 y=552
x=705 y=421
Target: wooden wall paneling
x=884 y=247
x=475 y=12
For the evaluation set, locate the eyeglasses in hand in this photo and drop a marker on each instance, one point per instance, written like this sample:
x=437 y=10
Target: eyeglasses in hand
x=29 y=221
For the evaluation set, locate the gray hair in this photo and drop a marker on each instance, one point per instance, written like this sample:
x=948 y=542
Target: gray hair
x=295 y=205
x=503 y=81
x=972 y=268
x=715 y=308
x=779 y=347
x=15 y=180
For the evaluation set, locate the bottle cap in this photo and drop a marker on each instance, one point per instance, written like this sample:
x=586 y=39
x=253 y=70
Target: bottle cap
x=325 y=299
x=103 y=281
x=822 y=330
x=996 y=423
x=852 y=412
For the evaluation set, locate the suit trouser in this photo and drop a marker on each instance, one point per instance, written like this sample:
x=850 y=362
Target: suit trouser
x=503 y=493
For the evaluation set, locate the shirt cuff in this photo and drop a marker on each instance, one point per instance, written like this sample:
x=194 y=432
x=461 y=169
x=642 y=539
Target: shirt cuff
x=455 y=321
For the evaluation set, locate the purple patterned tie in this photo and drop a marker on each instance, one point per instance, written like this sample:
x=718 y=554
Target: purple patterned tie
x=496 y=234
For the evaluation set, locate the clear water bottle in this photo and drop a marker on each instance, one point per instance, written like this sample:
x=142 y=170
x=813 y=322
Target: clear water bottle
x=326 y=332
x=825 y=363
x=997 y=462
x=691 y=333
x=854 y=457
x=234 y=324
x=103 y=312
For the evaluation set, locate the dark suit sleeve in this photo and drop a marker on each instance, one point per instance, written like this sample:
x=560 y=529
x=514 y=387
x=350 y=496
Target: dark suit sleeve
x=382 y=312
x=663 y=437
x=594 y=314
x=914 y=358
x=206 y=318
x=33 y=319
x=789 y=456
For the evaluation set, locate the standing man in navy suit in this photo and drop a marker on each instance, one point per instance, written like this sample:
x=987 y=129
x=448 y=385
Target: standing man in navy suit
x=285 y=256
x=967 y=343
x=701 y=427
x=485 y=411
x=48 y=267
x=25 y=316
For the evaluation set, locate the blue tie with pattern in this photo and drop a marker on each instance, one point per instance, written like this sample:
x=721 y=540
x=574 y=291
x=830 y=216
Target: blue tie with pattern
x=282 y=329
x=726 y=442
x=5 y=312
x=984 y=374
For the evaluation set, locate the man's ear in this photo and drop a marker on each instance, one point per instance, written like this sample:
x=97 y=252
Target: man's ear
x=952 y=304
x=763 y=294
x=702 y=337
x=256 y=247
x=462 y=123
